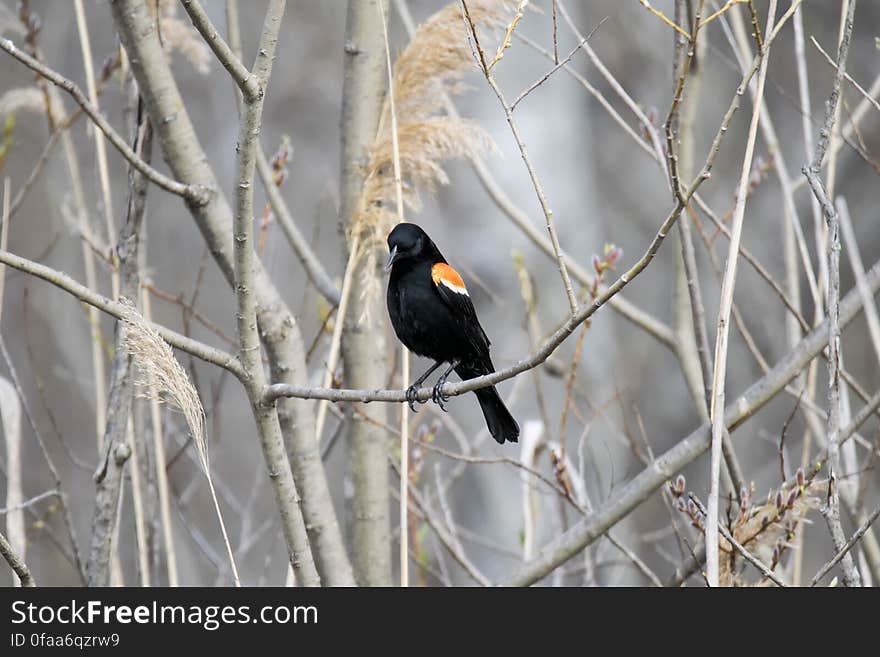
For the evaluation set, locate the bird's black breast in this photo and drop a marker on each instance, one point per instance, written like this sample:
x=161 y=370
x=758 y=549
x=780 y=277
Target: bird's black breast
x=422 y=320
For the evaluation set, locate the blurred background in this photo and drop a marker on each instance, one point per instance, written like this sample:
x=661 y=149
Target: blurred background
x=603 y=189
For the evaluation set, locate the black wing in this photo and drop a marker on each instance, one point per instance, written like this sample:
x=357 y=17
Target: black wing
x=452 y=291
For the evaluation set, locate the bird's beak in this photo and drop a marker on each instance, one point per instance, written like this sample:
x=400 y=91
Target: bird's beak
x=391 y=258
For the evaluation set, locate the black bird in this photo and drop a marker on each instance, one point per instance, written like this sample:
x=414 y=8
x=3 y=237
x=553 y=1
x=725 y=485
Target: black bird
x=434 y=317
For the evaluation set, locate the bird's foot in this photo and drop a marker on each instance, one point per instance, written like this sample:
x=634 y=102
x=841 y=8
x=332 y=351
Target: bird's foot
x=437 y=395
x=412 y=394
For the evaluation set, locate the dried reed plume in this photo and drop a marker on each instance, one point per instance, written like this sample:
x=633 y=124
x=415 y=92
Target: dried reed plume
x=431 y=66
x=765 y=530
x=162 y=378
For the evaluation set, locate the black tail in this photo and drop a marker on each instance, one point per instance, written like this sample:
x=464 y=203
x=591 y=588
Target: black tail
x=501 y=424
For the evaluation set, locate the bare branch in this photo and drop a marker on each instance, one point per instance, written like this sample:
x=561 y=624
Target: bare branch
x=539 y=191
x=64 y=282
x=15 y=562
x=812 y=173
x=832 y=510
x=286 y=495
x=310 y=262
x=868 y=97
x=116 y=447
x=278 y=326
x=247 y=82
x=192 y=193
x=537 y=83
x=846 y=547
x=664 y=467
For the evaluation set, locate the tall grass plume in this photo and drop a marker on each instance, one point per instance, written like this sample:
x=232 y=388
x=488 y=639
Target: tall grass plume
x=766 y=530
x=431 y=66
x=161 y=377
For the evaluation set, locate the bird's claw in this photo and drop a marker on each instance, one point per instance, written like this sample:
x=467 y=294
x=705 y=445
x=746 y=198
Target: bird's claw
x=412 y=394
x=438 y=397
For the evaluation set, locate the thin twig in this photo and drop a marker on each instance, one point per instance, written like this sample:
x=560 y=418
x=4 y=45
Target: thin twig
x=311 y=263
x=832 y=509
x=846 y=547
x=34 y=175
x=723 y=326
x=50 y=463
x=539 y=191
x=625 y=498
x=632 y=105
x=444 y=536
x=19 y=567
x=537 y=83
x=659 y=14
x=245 y=79
x=336 y=337
x=64 y=282
x=29 y=502
x=505 y=42
x=188 y=310
x=727 y=6
x=846 y=76
x=812 y=173
x=197 y=194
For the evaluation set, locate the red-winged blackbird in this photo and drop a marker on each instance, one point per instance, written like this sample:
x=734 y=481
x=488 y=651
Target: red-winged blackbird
x=434 y=317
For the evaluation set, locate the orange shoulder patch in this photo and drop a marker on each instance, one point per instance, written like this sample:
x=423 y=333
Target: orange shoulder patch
x=443 y=274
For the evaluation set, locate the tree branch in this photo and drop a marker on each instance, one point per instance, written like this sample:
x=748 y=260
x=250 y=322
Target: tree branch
x=19 y=567
x=812 y=173
x=539 y=191
x=248 y=82
x=62 y=281
x=278 y=326
x=314 y=268
x=116 y=445
x=269 y=428
x=832 y=510
x=627 y=497
x=844 y=550
x=196 y=194
x=650 y=324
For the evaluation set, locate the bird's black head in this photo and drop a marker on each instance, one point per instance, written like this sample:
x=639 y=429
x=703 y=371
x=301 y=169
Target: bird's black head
x=409 y=242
